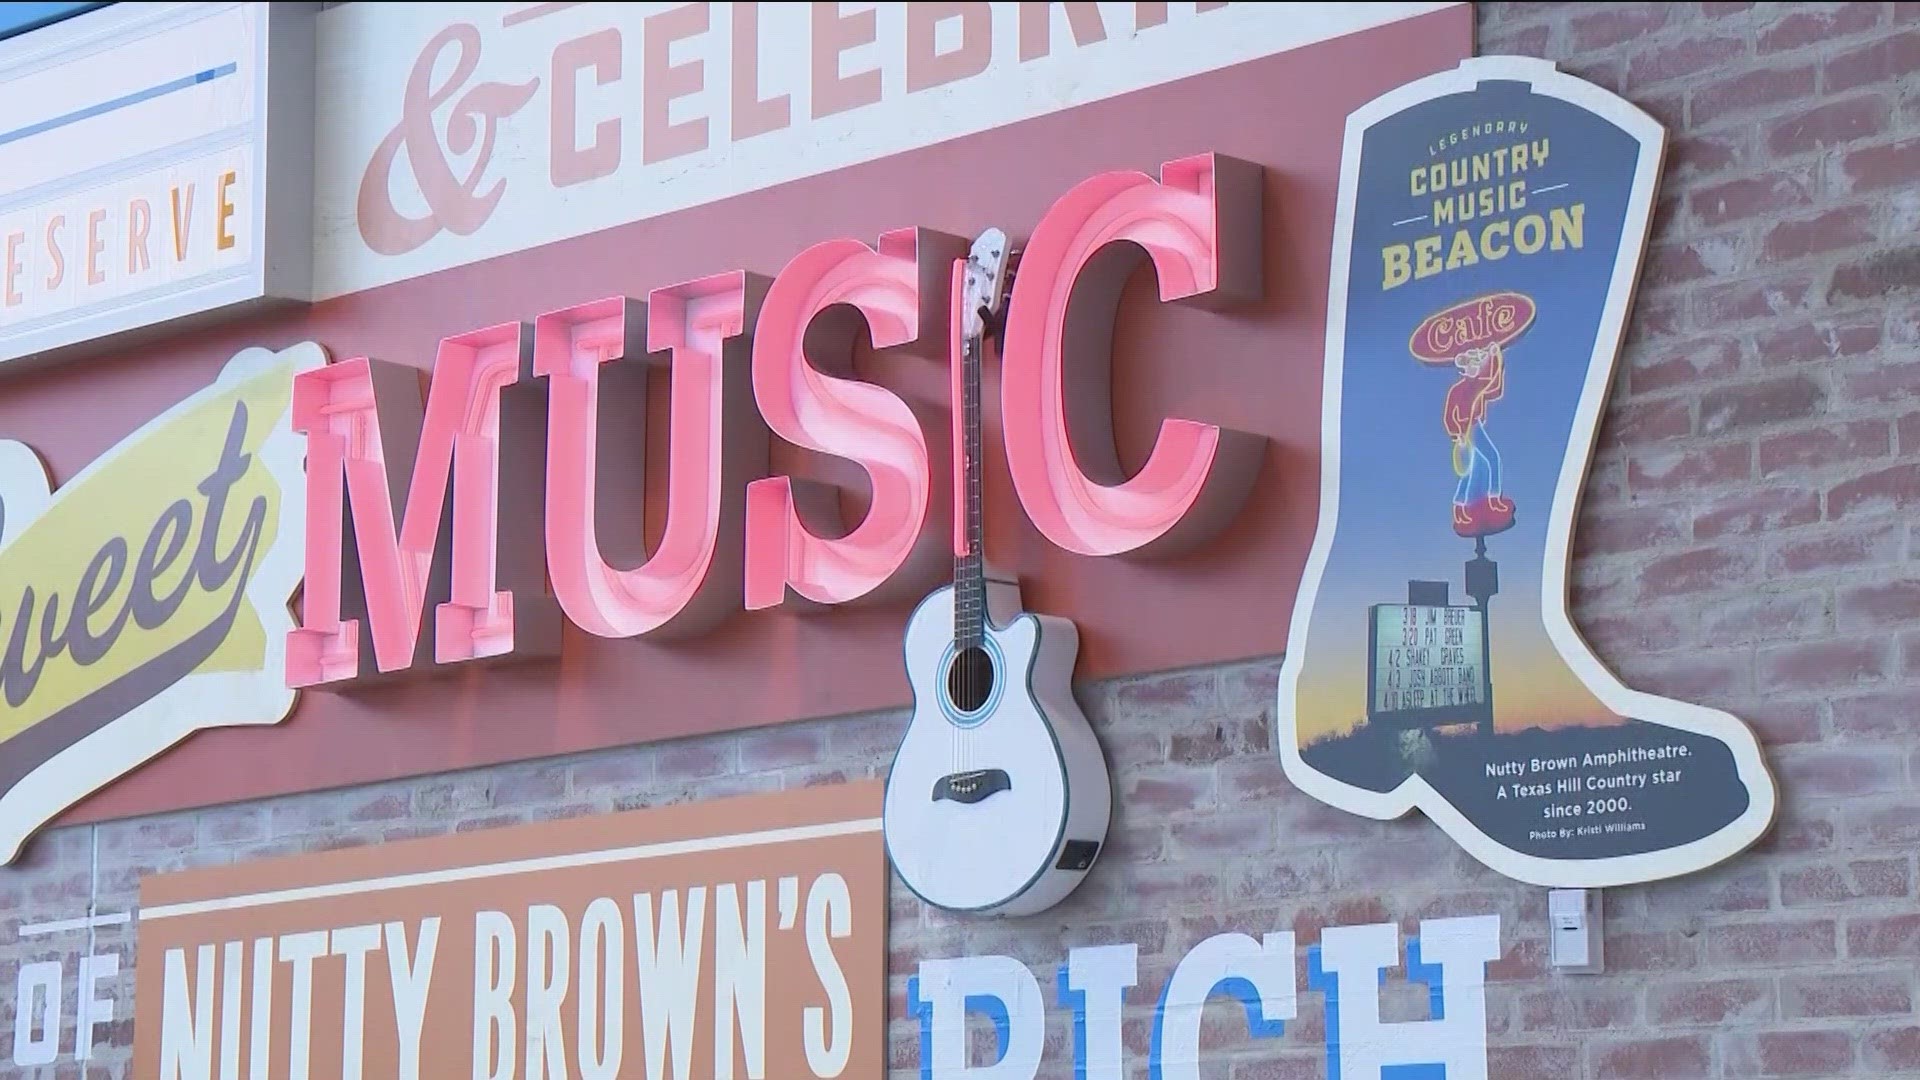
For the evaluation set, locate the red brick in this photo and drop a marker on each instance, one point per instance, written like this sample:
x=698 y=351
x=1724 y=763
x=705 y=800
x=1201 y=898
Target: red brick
x=1634 y=422
x=232 y=825
x=1880 y=937
x=1891 y=1049
x=1511 y=1063
x=1802 y=828
x=1525 y=959
x=1821 y=772
x=1828 y=125
x=1698 y=570
x=1524 y=41
x=1217 y=738
x=1847 y=335
x=1689 y=56
x=1870 y=168
x=1606 y=71
x=1636 y=630
x=1697 y=154
x=1789 y=1053
x=1896 y=487
x=783 y=747
x=1838 y=549
x=1816 y=27
x=868 y=736
x=1886 y=823
x=1656 y=950
x=1299 y=875
x=1823 y=664
x=1684 y=363
x=1628 y=528
x=1156 y=696
x=387 y=807
x=1882 y=714
x=1875 y=276
x=1883 y=603
x=1289 y=1066
x=1611 y=26
x=1846 y=227
x=1656 y=471
x=1695 y=674
x=1776 y=942
x=1718 y=1002
x=1749 y=91
x=1252 y=778
x=1670 y=1058
x=1836 y=882
x=1789 y=397
x=1247 y=831
x=1784 y=188
x=1889 y=59
x=1679 y=263
x=1716 y=306
x=1781 y=720
x=1884 y=382
x=1580 y=1008
x=1656 y=315
x=522 y=785
x=1753 y=512
x=1796 y=453
x=1168 y=791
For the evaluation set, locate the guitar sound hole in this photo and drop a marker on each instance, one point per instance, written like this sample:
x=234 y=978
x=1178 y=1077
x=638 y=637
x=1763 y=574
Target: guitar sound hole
x=970 y=679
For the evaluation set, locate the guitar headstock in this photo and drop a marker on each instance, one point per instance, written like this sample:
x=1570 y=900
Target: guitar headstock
x=989 y=269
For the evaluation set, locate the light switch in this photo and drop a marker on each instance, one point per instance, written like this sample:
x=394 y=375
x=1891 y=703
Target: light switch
x=1574 y=941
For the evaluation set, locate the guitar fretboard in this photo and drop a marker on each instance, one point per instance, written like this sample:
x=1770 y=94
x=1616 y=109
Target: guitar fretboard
x=969 y=567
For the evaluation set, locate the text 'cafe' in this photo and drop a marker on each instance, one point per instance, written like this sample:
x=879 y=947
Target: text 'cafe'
x=959 y=540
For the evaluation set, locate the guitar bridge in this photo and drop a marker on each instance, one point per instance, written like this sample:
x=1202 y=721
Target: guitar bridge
x=968 y=788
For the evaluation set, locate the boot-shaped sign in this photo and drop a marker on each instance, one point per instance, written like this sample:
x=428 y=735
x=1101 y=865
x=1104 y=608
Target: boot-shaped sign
x=1491 y=225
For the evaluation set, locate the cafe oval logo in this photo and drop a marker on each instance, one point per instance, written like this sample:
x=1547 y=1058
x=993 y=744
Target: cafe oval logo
x=148 y=598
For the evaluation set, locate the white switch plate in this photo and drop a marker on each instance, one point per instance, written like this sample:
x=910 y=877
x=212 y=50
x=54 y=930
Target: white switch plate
x=1575 y=944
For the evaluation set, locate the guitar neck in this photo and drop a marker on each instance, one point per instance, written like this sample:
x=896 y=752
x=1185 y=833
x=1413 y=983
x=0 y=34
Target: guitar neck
x=969 y=567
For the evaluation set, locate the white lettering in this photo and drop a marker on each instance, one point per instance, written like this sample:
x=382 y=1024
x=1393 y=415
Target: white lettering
x=410 y=980
x=354 y=943
x=186 y=1020
x=602 y=1004
x=37 y=996
x=740 y=979
x=301 y=950
x=943 y=990
x=669 y=976
x=1260 y=973
x=1098 y=979
x=94 y=1010
x=261 y=1044
x=548 y=950
x=827 y=1033
x=493 y=977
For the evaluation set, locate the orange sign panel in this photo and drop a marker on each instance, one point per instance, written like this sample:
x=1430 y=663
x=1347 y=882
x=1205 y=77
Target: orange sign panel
x=736 y=938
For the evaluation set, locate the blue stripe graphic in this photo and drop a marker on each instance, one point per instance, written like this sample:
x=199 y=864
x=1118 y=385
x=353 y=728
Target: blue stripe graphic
x=185 y=82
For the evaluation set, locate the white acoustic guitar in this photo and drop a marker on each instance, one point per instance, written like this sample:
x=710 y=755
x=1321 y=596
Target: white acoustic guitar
x=999 y=799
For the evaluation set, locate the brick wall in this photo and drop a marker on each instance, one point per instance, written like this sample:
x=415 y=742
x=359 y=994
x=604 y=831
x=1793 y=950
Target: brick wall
x=1747 y=543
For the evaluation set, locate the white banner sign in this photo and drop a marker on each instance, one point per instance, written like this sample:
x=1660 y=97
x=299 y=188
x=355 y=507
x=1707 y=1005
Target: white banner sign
x=458 y=133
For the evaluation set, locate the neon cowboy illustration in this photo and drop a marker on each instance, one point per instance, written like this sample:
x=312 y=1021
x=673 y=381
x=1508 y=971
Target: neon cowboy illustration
x=1472 y=338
